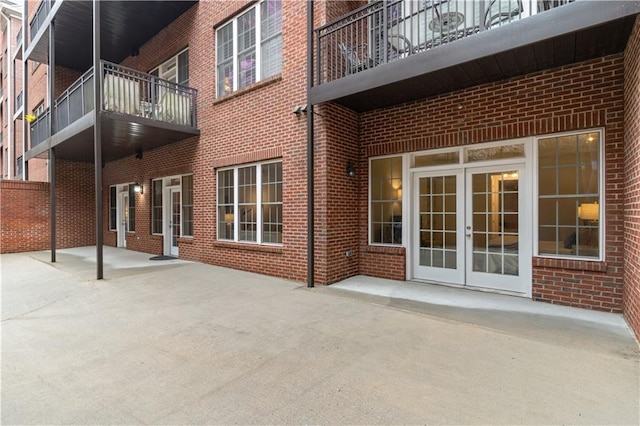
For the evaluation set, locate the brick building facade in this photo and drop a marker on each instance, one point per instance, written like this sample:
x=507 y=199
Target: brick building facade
x=194 y=201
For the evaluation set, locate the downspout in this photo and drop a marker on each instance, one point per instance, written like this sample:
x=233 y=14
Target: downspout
x=10 y=112
x=310 y=166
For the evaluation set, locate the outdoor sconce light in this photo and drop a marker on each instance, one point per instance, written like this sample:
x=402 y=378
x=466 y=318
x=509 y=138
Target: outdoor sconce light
x=137 y=188
x=351 y=169
x=301 y=109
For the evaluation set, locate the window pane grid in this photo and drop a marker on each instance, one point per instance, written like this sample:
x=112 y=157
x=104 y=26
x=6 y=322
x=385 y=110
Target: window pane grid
x=386 y=201
x=258 y=46
x=568 y=199
x=226 y=225
x=272 y=203
x=187 y=206
x=156 y=212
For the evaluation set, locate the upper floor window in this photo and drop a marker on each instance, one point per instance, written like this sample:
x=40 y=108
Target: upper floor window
x=570 y=195
x=249 y=47
x=175 y=69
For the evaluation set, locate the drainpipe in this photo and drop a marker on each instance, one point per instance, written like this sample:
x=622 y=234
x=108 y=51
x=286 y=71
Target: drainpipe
x=9 y=95
x=310 y=183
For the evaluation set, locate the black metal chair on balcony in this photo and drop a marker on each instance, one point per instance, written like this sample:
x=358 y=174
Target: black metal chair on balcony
x=353 y=63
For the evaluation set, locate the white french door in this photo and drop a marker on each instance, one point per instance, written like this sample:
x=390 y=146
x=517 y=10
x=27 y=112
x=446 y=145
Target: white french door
x=497 y=238
x=122 y=217
x=173 y=220
x=469 y=227
x=438 y=238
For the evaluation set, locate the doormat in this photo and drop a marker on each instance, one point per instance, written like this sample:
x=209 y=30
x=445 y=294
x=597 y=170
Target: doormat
x=162 y=258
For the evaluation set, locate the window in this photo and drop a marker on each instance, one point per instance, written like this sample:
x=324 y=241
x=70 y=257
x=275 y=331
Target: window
x=569 y=195
x=39 y=110
x=131 y=219
x=249 y=47
x=156 y=211
x=250 y=203
x=113 y=193
x=386 y=201
x=175 y=69
x=19 y=166
x=187 y=206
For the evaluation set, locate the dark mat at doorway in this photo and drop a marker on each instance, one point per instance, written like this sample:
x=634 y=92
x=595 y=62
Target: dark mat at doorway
x=162 y=258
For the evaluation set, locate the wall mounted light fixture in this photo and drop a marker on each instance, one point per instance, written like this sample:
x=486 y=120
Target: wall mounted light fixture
x=351 y=169
x=139 y=155
x=138 y=188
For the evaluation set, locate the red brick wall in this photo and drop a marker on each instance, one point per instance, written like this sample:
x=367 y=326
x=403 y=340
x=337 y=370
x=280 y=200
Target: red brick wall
x=257 y=122
x=575 y=97
x=631 y=299
x=24 y=216
x=75 y=204
x=336 y=209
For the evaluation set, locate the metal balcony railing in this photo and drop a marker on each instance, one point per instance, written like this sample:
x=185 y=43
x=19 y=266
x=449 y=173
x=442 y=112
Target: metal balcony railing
x=19 y=101
x=389 y=30
x=39 y=18
x=124 y=91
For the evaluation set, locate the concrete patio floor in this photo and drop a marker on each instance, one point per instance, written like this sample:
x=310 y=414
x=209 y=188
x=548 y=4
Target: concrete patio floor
x=175 y=342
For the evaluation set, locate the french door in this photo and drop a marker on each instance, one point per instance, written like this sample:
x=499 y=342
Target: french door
x=122 y=218
x=469 y=228
x=173 y=221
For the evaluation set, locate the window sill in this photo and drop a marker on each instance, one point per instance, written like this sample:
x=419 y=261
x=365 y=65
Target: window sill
x=575 y=265
x=248 y=247
x=255 y=86
x=187 y=240
x=398 y=251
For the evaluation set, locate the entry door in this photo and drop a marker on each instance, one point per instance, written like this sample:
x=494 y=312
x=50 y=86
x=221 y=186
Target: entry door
x=123 y=218
x=497 y=239
x=174 y=221
x=438 y=237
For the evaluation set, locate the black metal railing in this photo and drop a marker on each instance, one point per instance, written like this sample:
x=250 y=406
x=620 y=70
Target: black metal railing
x=124 y=91
x=388 y=30
x=39 y=18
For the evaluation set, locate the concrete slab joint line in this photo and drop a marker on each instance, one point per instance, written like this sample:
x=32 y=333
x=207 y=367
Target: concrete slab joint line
x=178 y=342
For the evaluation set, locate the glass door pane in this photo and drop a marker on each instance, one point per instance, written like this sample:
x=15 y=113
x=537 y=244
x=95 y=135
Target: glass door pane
x=437 y=230
x=175 y=219
x=497 y=240
x=495 y=222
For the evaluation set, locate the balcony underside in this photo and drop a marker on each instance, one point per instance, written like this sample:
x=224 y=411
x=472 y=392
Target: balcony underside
x=122 y=136
x=573 y=33
x=125 y=27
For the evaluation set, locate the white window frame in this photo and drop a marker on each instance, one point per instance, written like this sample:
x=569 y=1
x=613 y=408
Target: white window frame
x=404 y=200
x=259 y=221
x=601 y=197
x=113 y=226
x=234 y=34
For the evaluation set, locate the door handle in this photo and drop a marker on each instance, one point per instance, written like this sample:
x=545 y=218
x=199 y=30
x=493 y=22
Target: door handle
x=468 y=235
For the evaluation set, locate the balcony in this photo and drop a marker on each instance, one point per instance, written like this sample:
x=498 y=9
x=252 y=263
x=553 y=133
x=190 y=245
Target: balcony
x=139 y=112
x=393 y=51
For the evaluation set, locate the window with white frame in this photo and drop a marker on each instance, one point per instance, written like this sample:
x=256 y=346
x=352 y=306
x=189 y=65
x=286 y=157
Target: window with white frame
x=250 y=203
x=113 y=194
x=156 y=206
x=249 y=47
x=569 y=195
x=175 y=69
x=386 y=201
